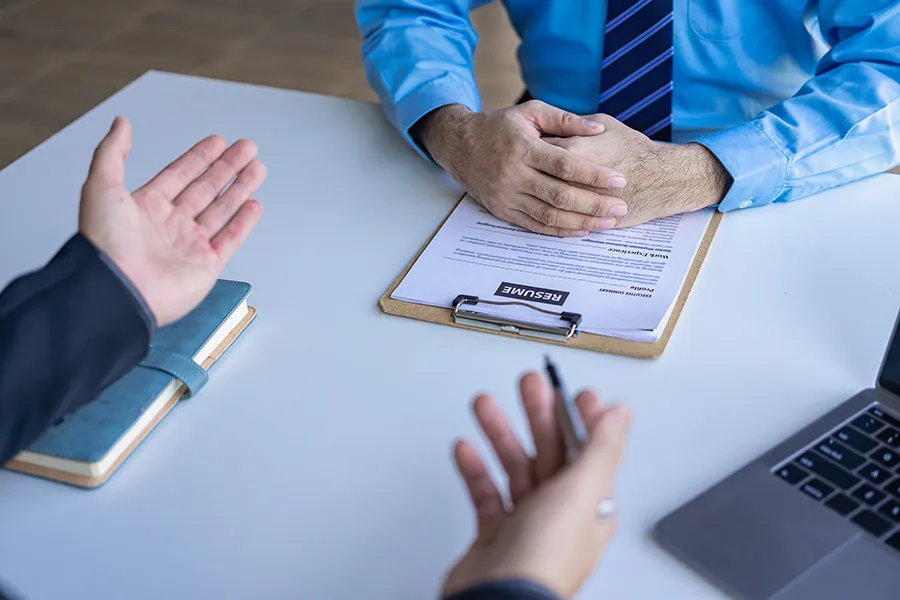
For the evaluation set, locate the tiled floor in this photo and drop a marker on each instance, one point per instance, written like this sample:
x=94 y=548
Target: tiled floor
x=59 y=58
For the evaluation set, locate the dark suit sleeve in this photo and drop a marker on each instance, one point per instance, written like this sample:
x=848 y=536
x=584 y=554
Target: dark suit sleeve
x=506 y=589
x=66 y=332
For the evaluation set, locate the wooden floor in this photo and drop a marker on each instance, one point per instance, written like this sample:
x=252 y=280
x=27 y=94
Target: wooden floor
x=59 y=58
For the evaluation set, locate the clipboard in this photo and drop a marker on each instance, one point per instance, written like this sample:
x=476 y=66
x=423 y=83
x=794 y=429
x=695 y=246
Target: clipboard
x=567 y=333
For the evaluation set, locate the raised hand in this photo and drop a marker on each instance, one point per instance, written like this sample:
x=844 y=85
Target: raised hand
x=173 y=236
x=549 y=529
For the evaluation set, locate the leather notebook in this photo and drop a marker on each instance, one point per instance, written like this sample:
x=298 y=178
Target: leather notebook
x=90 y=444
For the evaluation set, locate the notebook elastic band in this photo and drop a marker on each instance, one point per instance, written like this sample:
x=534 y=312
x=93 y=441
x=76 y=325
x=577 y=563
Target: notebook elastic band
x=192 y=375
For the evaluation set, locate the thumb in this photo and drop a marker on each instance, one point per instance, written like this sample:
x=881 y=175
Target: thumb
x=108 y=164
x=603 y=452
x=554 y=121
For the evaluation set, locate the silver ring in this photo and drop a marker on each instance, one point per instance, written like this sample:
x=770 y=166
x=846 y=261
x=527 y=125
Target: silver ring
x=606 y=509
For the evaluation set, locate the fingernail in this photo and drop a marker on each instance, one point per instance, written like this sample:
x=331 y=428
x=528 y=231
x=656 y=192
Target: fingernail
x=616 y=181
x=619 y=210
x=604 y=224
x=594 y=125
x=580 y=233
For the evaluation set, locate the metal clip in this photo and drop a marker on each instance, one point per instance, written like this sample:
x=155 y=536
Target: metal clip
x=473 y=319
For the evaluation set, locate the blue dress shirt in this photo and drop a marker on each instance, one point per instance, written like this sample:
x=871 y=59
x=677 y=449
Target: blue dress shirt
x=793 y=96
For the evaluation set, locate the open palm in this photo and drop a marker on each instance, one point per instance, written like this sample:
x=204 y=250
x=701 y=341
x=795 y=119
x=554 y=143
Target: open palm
x=174 y=235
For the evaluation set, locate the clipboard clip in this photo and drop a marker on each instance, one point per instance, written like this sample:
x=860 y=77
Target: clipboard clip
x=563 y=333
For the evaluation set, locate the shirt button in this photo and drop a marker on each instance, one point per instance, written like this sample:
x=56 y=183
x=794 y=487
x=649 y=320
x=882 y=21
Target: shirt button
x=746 y=204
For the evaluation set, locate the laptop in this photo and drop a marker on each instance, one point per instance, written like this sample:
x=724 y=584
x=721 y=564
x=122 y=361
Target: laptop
x=817 y=517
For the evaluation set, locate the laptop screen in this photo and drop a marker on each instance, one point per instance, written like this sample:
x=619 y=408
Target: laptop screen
x=890 y=370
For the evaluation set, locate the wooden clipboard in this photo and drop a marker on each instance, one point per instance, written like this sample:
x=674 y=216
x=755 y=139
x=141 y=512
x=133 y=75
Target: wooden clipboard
x=584 y=341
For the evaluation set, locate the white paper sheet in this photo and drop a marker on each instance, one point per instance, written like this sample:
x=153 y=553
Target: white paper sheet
x=624 y=283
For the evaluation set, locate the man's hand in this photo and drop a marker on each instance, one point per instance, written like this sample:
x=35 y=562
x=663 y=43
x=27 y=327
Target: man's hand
x=550 y=531
x=501 y=160
x=173 y=236
x=663 y=179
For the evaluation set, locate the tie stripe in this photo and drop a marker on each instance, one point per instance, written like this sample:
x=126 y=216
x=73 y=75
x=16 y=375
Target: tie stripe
x=637 y=65
x=631 y=45
x=659 y=60
x=613 y=23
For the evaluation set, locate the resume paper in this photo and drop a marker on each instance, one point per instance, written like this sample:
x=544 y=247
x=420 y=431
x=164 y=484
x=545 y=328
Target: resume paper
x=623 y=282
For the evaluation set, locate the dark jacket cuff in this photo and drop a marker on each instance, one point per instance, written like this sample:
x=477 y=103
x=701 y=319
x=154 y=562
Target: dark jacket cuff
x=506 y=589
x=143 y=307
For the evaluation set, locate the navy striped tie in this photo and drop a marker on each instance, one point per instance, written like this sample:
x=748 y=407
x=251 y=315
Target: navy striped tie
x=637 y=66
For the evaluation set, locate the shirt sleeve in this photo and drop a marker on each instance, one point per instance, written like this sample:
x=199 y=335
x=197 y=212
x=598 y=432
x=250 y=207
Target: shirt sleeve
x=506 y=589
x=842 y=125
x=144 y=308
x=418 y=57
x=67 y=331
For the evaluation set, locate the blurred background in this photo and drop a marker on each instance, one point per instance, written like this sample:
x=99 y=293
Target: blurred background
x=59 y=58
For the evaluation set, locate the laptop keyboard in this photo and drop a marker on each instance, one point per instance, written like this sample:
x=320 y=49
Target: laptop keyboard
x=855 y=471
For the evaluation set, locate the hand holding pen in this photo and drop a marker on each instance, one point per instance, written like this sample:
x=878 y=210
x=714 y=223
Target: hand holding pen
x=558 y=514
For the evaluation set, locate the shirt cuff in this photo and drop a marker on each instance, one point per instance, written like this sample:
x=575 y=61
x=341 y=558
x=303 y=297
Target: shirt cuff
x=145 y=311
x=443 y=91
x=756 y=164
x=506 y=589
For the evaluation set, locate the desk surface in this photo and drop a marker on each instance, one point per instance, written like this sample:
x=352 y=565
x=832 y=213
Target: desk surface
x=316 y=462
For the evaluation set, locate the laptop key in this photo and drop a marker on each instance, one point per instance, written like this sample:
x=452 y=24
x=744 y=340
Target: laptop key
x=792 y=474
x=867 y=423
x=817 y=488
x=894 y=541
x=890 y=436
x=887 y=418
x=840 y=454
x=842 y=505
x=868 y=494
x=826 y=469
x=856 y=440
x=875 y=473
x=891 y=509
x=871 y=522
x=893 y=488
x=886 y=456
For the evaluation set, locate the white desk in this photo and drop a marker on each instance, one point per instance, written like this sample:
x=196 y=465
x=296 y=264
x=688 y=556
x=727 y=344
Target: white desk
x=316 y=462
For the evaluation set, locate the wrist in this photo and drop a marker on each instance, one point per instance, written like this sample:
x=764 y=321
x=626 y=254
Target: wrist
x=700 y=179
x=711 y=177
x=441 y=130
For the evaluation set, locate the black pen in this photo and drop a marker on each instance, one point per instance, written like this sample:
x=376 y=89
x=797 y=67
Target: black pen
x=574 y=432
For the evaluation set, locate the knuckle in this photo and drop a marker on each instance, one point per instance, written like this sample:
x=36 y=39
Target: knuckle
x=564 y=167
x=505 y=172
x=538 y=188
x=598 y=208
x=206 y=188
x=548 y=216
x=562 y=198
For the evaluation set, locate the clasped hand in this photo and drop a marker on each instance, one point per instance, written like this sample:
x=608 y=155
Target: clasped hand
x=556 y=173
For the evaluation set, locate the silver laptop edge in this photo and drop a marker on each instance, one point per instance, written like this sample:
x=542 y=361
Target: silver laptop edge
x=757 y=537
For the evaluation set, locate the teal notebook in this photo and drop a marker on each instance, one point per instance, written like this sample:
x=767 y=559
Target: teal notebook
x=88 y=446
